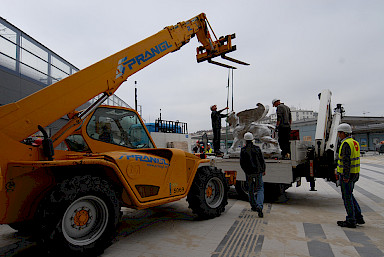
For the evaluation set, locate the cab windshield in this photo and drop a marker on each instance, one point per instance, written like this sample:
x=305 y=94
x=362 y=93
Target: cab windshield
x=119 y=127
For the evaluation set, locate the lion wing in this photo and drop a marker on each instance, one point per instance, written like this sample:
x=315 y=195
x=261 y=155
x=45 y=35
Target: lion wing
x=248 y=116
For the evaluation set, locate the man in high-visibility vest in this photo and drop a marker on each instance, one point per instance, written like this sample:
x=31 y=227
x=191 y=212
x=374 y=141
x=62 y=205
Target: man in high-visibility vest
x=209 y=149
x=348 y=168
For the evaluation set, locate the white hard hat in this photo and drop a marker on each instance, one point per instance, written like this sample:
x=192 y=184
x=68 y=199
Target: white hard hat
x=274 y=101
x=248 y=136
x=344 y=127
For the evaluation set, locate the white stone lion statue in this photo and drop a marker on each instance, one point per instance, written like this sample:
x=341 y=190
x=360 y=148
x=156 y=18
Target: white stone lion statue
x=247 y=121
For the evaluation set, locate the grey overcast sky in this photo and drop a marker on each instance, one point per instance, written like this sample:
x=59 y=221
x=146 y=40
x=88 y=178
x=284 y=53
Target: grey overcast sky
x=296 y=49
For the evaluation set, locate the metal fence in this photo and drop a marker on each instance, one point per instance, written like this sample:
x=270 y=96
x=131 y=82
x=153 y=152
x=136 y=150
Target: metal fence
x=22 y=54
x=167 y=126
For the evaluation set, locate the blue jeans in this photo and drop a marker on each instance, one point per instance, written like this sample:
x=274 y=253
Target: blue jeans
x=256 y=185
x=351 y=206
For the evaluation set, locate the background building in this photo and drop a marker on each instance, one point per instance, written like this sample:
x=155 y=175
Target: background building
x=27 y=66
x=296 y=115
x=368 y=131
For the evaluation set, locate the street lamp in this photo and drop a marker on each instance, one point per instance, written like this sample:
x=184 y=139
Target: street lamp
x=135 y=95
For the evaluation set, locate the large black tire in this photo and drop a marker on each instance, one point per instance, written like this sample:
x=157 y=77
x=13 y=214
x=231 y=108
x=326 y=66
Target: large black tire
x=274 y=191
x=271 y=191
x=208 y=195
x=80 y=216
x=242 y=189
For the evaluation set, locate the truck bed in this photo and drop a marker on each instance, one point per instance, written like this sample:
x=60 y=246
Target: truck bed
x=277 y=171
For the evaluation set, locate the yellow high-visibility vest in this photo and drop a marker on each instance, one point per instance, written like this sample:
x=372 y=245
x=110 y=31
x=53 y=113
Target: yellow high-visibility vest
x=355 y=156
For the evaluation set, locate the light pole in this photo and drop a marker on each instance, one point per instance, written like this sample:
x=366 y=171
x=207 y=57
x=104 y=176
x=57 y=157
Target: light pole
x=135 y=95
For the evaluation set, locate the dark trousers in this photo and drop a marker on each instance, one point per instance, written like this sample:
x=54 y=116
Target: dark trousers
x=283 y=135
x=351 y=206
x=216 y=139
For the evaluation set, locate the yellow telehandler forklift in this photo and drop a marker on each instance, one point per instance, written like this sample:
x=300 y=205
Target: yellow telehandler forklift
x=72 y=198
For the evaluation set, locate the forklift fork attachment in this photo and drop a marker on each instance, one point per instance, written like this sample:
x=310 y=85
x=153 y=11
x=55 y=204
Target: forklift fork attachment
x=221 y=64
x=233 y=60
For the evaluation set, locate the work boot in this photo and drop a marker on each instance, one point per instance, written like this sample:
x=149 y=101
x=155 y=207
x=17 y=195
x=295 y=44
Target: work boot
x=360 y=221
x=345 y=223
x=260 y=212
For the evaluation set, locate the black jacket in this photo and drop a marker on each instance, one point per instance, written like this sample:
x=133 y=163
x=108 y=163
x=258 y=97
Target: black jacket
x=284 y=116
x=216 y=118
x=252 y=159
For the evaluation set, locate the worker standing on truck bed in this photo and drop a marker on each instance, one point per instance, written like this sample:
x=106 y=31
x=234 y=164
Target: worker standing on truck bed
x=253 y=164
x=216 y=117
x=283 y=127
x=348 y=168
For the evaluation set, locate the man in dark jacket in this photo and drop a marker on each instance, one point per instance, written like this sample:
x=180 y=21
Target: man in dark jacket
x=283 y=127
x=216 y=117
x=253 y=164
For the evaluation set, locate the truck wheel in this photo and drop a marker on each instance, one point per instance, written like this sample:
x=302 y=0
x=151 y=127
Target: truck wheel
x=242 y=189
x=80 y=216
x=208 y=195
x=272 y=191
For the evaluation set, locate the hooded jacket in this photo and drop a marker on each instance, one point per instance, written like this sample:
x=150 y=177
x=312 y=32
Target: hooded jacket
x=252 y=159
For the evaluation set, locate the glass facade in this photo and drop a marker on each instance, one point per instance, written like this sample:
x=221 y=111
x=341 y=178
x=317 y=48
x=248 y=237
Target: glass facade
x=24 y=56
x=8 y=48
x=113 y=100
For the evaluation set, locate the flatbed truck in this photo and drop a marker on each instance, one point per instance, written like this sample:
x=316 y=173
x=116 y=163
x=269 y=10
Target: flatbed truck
x=309 y=159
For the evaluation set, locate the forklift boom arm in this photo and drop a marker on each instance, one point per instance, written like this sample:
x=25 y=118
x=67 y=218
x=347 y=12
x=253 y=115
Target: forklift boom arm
x=21 y=119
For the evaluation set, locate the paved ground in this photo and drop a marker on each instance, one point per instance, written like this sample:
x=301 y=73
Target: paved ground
x=305 y=225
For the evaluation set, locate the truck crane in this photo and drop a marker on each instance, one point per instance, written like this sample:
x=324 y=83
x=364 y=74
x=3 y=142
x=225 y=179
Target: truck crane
x=72 y=198
x=309 y=159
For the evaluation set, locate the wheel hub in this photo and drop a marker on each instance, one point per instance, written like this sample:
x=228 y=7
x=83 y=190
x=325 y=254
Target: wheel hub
x=85 y=220
x=81 y=217
x=209 y=191
x=214 y=192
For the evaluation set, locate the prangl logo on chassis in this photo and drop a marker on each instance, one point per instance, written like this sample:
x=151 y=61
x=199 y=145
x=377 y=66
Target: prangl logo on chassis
x=152 y=161
x=141 y=58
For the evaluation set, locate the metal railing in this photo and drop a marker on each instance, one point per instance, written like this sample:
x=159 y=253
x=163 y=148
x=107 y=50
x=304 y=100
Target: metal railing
x=166 y=126
x=24 y=55
x=21 y=54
